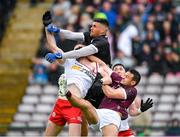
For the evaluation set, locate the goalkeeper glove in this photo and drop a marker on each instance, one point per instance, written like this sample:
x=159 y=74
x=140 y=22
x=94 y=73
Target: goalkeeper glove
x=47 y=18
x=51 y=57
x=147 y=105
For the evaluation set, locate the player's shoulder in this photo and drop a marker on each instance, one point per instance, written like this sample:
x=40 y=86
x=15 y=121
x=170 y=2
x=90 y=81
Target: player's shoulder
x=87 y=34
x=131 y=89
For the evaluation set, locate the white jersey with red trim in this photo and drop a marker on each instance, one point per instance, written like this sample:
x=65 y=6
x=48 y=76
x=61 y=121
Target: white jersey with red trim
x=78 y=74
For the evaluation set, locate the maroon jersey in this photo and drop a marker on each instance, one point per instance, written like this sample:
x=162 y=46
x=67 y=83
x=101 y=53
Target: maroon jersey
x=116 y=79
x=119 y=105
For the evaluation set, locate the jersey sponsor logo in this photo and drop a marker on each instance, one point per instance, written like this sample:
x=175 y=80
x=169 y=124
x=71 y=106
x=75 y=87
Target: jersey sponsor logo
x=79 y=67
x=75 y=67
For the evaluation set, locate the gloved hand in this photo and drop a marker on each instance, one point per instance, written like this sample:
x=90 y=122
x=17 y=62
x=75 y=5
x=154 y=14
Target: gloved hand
x=51 y=57
x=53 y=29
x=147 y=105
x=47 y=18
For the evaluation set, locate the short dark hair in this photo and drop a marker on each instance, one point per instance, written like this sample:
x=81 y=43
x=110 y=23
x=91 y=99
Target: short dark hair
x=136 y=76
x=118 y=64
x=102 y=21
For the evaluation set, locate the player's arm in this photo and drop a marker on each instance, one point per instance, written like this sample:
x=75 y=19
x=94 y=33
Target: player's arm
x=52 y=43
x=134 y=109
x=137 y=107
x=96 y=46
x=77 y=36
x=104 y=70
x=47 y=21
x=97 y=60
x=53 y=47
x=118 y=93
x=83 y=52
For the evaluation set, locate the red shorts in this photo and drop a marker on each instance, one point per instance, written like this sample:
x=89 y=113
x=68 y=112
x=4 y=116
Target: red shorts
x=64 y=112
x=125 y=133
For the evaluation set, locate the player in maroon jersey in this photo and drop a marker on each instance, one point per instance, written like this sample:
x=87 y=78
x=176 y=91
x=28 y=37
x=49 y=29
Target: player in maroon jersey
x=114 y=106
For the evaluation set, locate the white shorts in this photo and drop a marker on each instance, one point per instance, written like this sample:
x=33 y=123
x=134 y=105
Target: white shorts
x=106 y=117
x=124 y=125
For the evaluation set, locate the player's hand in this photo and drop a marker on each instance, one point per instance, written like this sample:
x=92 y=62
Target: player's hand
x=47 y=18
x=53 y=29
x=51 y=57
x=147 y=105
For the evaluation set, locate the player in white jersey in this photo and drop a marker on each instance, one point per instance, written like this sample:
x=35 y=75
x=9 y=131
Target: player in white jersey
x=81 y=74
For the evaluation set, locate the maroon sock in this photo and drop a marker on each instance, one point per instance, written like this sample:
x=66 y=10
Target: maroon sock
x=68 y=94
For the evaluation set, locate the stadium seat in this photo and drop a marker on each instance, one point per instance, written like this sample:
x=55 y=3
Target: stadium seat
x=164 y=107
x=34 y=89
x=30 y=99
x=177 y=107
x=157 y=133
x=158 y=116
x=143 y=80
x=158 y=123
x=175 y=115
x=15 y=134
x=50 y=89
x=172 y=80
x=36 y=124
x=48 y=99
x=178 y=99
x=168 y=98
x=26 y=108
x=140 y=89
x=21 y=117
x=18 y=124
x=32 y=133
x=153 y=89
x=155 y=79
x=153 y=96
x=44 y=108
x=39 y=117
x=143 y=70
x=169 y=89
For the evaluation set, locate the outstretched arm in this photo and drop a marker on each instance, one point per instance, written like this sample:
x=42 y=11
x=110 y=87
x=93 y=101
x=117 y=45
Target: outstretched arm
x=52 y=43
x=138 y=106
x=77 y=36
x=52 y=46
x=47 y=21
x=83 y=52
